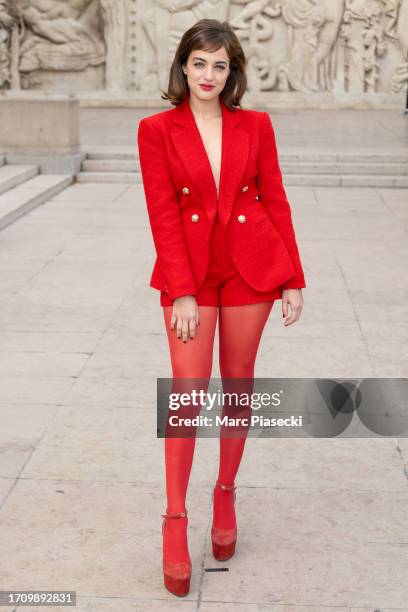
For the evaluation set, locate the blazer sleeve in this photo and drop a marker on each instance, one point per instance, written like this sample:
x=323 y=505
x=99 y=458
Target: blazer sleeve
x=164 y=212
x=273 y=196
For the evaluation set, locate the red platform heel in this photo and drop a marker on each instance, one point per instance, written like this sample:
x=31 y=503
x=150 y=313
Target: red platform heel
x=176 y=575
x=224 y=540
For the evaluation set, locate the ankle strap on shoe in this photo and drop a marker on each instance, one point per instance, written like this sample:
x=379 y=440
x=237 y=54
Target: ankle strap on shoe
x=175 y=514
x=225 y=487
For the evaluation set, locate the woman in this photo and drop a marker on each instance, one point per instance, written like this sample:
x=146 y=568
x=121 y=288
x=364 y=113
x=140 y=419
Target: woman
x=225 y=243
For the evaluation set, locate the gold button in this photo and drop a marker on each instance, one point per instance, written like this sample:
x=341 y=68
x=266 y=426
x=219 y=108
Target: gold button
x=241 y=218
x=186 y=190
x=195 y=218
x=245 y=188
x=257 y=197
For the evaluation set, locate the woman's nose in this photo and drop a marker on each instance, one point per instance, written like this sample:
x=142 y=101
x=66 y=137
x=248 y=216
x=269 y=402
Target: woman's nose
x=209 y=74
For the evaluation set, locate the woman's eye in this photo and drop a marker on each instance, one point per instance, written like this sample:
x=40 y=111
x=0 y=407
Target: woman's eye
x=199 y=64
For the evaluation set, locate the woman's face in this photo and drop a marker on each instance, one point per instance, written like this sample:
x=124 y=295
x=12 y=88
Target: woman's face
x=207 y=68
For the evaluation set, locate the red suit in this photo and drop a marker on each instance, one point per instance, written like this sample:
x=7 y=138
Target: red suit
x=182 y=204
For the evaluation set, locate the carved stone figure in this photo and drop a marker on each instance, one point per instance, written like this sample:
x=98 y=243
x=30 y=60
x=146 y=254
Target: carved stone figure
x=313 y=29
x=398 y=29
x=60 y=35
x=9 y=39
x=363 y=35
x=114 y=20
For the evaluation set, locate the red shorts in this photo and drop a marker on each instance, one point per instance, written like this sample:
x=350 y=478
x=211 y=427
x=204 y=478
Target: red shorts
x=223 y=285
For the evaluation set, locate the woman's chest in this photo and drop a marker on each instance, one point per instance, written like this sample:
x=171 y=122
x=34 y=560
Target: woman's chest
x=195 y=156
x=211 y=136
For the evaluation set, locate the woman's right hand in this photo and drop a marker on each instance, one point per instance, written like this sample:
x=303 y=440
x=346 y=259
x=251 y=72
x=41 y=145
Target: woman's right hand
x=185 y=317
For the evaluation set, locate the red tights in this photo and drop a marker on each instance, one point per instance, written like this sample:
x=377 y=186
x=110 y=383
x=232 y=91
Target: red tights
x=240 y=331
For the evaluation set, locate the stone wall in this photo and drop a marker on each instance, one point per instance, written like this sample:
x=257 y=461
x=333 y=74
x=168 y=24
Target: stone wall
x=302 y=50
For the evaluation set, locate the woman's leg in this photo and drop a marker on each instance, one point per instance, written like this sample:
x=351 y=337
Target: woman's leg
x=240 y=332
x=189 y=360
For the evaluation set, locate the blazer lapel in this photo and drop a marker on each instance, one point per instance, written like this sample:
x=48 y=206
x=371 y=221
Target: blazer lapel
x=234 y=156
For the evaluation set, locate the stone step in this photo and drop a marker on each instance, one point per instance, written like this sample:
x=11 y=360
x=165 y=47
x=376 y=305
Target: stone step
x=345 y=180
x=315 y=180
x=109 y=177
x=355 y=156
x=111 y=152
x=344 y=168
x=12 y=175
x=23 y=198
x=111 y=165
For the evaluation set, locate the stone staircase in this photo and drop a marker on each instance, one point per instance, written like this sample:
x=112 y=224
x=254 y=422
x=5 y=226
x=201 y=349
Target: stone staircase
x=22 y=188
x=309 y=168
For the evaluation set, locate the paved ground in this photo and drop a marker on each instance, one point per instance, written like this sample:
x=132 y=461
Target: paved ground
x=323 y=523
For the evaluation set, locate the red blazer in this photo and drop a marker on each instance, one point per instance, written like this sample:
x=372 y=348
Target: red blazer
x=181 y=199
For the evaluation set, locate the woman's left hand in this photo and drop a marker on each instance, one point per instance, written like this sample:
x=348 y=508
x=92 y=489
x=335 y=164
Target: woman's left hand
x=294 y=298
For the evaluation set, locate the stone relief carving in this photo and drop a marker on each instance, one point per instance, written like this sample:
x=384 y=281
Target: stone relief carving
x=322 y=45
x=363 y=37
x=114 y=20
x=397 y=29
x=312 y=29
x=307 y=46
x=60 y=36
x=10 y=23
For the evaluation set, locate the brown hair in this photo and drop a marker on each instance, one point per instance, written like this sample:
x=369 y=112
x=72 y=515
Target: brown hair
x=209 y=35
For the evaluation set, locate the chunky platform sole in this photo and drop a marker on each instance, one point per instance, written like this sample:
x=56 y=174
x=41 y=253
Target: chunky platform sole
x=223 y=552
x=177 y=586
